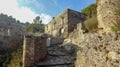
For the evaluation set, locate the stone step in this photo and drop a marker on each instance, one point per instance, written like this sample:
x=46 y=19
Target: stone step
x=56 y=60
x=66 y=65
x=57 y=51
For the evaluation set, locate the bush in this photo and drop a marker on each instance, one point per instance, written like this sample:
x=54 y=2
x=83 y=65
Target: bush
x=116 y=27
x=90 y=10
x=36 y=26
x=4 y=59
x=91 y=24
x=12 y=59
x=16 y=58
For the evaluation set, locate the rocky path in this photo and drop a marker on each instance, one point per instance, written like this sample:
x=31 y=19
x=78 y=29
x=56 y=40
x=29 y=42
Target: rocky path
x=58 y=56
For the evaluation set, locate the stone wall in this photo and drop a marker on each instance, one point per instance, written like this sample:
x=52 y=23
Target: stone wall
x=34 y=50
x=57 y=24
x=64 y=23
x=99 y=51
x=108 y=14
x=74 y=18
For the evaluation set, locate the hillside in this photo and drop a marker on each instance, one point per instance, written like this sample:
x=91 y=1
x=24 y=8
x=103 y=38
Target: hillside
x=10 y=32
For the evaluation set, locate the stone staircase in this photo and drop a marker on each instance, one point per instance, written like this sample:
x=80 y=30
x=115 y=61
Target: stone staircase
x=57 y=56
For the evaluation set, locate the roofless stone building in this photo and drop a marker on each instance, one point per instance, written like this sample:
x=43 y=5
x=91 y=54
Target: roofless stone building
x=64 y=23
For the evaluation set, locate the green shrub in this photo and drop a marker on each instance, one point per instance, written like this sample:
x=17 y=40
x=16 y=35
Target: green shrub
x=11 y=59
x=16 y=58
x=4 y=59
x=116 y=27
x=36 y=26
x=91 y=24
x=90 y=10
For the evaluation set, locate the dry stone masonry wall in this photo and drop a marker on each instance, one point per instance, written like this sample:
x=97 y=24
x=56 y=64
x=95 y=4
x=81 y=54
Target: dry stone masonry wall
x=65 y=23
x=99 y=51
x=34 y=50
x=108 y=14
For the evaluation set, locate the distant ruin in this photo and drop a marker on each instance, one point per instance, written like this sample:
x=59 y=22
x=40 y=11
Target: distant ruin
x=5 y=32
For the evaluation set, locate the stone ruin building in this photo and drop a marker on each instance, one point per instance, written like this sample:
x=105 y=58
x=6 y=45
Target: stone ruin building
x=4 y=32
x=64 y=23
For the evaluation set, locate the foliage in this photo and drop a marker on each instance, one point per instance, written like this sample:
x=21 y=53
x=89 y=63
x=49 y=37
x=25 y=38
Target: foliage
x=116 y=27
x=8 y=19
x=12 y=56
x=90 y=10
x=16 y=58
x=36 y=26
x=11 y=59
x=91 y=24
x=91 y=21
x=4 y=59
x=118 y=10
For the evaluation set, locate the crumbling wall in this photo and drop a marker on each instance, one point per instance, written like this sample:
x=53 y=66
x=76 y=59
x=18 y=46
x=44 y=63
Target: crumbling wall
x=57 y=24
x=34 y=50
x=64 y=23
x=98 y=51
x=108 y=14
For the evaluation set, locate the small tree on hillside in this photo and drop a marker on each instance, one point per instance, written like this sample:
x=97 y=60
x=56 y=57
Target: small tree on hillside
x=36 y=26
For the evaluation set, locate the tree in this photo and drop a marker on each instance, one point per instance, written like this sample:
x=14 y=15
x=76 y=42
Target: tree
x=36 y=26
x=37 y=20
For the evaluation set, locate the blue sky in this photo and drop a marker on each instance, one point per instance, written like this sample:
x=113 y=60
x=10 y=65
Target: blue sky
x=54 y=7
x=27 y=10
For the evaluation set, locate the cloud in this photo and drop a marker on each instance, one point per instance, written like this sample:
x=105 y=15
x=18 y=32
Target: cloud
x=21 y=13
x=32 y=4
x=45 y=18
x=56 y=3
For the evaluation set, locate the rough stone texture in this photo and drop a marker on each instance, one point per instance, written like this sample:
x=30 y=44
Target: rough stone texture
x=64 y=23
x=99 y=51
x=108 y=14
x=77 y=35
x=40 y=48
x=34 y=50
x=55 y=41
x=28 y=51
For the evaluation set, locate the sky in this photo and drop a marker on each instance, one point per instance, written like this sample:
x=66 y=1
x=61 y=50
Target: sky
x=27 y=10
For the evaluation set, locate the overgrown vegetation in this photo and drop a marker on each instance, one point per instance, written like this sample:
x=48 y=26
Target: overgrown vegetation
x=116 y=27
x=90 y=10
x=4 y=59
x=36 y=26
x=91 y=20
x=9 y=19
x=12 y=55
x=11 y=59
x=118 y=11
x=16 y=58
x=91 y=24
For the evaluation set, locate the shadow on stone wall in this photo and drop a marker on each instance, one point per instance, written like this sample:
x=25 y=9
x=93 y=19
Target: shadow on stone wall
x=8 y=44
